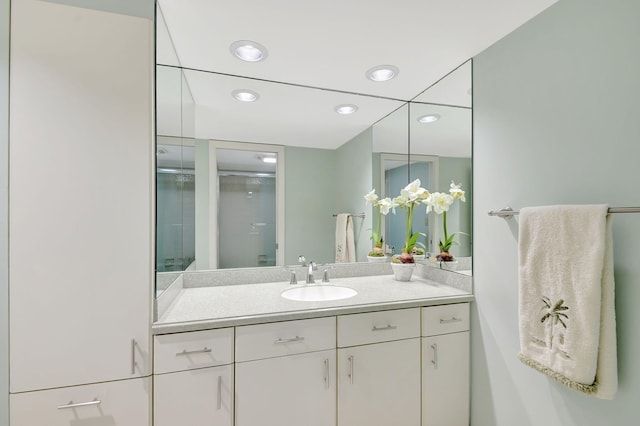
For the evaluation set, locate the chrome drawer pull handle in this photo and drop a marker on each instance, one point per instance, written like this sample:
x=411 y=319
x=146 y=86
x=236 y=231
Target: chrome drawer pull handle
x=71 y=404
x=134 y=364
x=289 y=340
x=219 y=402
x=449 y=321
x=326 y=372
x=197 y=351
x=434 y=361
x=388 y=327
x=350 y=372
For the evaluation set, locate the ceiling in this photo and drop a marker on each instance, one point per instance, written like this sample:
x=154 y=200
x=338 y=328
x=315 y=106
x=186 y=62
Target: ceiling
x=329 y=44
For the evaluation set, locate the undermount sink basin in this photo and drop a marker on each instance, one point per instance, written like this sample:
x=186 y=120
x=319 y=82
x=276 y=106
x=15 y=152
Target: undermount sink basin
x=318 y=293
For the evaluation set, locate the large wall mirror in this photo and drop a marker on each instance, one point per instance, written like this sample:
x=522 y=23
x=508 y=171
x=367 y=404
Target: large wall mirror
x=245 y=182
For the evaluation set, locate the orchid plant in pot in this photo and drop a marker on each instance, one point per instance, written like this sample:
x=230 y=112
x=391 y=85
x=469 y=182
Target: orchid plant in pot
x=440 y=202
x=411 y=196
x=383 y=206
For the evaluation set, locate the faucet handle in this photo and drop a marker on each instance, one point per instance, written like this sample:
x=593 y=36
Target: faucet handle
x=292 y=277
x=302 y=260
x=325 y=274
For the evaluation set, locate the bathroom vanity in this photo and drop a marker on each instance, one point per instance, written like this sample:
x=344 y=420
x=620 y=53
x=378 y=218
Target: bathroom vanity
x=395 y=353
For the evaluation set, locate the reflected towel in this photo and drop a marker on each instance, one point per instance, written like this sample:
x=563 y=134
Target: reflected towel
x=345 y=242
x=567 y=313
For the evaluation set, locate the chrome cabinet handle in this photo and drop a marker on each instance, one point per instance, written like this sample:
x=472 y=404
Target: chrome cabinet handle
x=350 y=373
x=434 y=361
x=197 y=351
x=72 y=404
x=448 y=321
x=388 y=327
x=326 y=372
x=134 y=364
x=219 y=403
x=289 y=340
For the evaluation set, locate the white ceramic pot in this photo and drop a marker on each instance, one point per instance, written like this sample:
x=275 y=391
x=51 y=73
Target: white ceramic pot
x=376 y=258
x=403 y=271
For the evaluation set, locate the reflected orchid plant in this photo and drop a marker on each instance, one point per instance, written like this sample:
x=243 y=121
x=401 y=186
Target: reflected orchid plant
x=383 y=206
x=411 y=196
x=440 y=202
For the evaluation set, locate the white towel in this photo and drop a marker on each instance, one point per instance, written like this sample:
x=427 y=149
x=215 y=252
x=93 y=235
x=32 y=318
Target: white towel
x=345 y=242
x=567 y=312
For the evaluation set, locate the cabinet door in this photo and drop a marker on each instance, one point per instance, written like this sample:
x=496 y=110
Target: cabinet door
x=445 y=380
x=379 y=384
x=118 y=403
x=291 y=390
x=80 y=203
x=201 y=397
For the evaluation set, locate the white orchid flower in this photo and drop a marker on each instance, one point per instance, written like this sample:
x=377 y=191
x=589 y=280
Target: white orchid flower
x=456 y=191
x=414 y=191
x=439 y=202
x=411 y=191
x=371 y=197
x=385 y=205
x=400 y=201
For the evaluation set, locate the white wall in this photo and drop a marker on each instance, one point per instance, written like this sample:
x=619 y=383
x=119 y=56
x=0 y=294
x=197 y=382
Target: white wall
x=555 y=121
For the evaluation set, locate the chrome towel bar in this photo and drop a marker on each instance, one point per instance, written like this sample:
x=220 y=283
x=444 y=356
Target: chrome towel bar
x=507 y=212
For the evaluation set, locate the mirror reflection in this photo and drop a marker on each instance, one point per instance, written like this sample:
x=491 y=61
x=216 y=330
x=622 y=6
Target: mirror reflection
x=216 y=209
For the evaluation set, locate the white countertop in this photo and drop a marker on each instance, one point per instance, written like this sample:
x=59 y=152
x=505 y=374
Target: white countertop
x=231 y=305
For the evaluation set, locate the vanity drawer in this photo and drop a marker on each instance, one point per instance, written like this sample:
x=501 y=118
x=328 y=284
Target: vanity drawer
x=285 y=338
x=374 y=327
x=444 y=319
x=195 y=349
x=121 y=402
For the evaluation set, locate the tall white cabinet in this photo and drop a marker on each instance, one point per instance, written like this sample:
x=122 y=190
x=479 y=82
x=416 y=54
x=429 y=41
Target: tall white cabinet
x=80 y=213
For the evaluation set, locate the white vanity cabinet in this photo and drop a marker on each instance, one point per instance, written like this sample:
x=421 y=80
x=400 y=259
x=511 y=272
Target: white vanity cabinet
x=445 y=365
x=379 y=368
x=285 y=373
x=194 y=383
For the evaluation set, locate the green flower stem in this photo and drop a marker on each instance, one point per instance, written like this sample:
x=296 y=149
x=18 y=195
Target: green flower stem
x=375 y=243
x=444 y=224
x=409 y=228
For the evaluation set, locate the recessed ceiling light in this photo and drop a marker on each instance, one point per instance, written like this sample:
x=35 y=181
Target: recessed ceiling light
x=248 y=50
x=346 y=109
x=429 y=118
x=271 y=160
x=382 y=73
x=245 y=95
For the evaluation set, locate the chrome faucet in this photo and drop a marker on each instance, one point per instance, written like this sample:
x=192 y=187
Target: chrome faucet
x=311 y=267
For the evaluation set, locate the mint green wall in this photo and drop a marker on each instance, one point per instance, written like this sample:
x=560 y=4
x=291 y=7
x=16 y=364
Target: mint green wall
x=459 y=217
x=202 y=214
x=556 y=109
x=310 y=191
x=353 y=180
x=4 y=212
